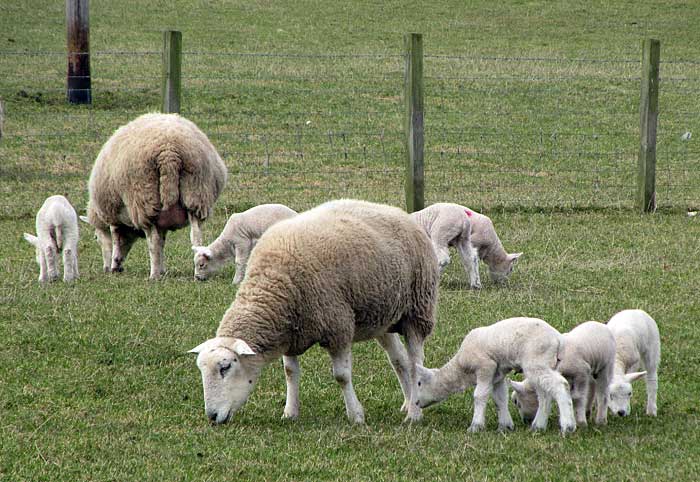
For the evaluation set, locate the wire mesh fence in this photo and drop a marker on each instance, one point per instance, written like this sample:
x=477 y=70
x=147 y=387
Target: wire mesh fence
x=500 y=132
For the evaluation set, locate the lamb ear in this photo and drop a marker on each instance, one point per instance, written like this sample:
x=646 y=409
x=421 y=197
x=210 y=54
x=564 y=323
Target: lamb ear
x=242 y=348
x=200 y=347
x=514 y=257
x=31 y=239
x=84 y=219
x=517 y=386
x=203 y=250
x=631 y=377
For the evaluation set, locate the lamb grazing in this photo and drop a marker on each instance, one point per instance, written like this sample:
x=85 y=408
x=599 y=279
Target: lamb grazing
x=474 y=237
x=57 y=232
x=240 y=234
x=638 y=343
x=487 y=355
x=587 y=364
x=343 y=272
x=155 y=174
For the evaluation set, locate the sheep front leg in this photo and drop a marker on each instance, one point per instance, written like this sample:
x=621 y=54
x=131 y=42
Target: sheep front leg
x=195 y=230
x=156 y=241
x=500 y=397
x=399 y=361
x=482 y=393
x=105 y=239
x=416 y=355
x=342 y=371
x=470 y=261
x=292 y=373
x=242 y=253
x=579 y=397
x=652 y=382
x=544 y=407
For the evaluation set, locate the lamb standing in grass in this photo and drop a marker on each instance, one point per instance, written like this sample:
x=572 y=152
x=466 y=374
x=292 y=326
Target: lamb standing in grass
x=57 y=232
x=238 y=238
x=587 y=364
x=638 y=343
x=474 y=237
x=487 y=355
x=157 y=173
x=343 y=272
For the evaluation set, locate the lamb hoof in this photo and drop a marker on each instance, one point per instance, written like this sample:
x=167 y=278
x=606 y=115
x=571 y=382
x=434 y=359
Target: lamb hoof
x=651 y=412
x=537 y=428
x=290 y=415
x=475 y=287
x=358 y=419
x=476 y=427
x=566 y=429
x=508 y=427
x=413 y=418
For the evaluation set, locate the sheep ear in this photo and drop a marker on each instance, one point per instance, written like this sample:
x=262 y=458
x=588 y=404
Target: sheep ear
x=201 y=347
x=631 y=377
x=84 y=219
x=517 y=386
x=203 y=250
x=514 y=258
x=242 y=348
x=31 y=239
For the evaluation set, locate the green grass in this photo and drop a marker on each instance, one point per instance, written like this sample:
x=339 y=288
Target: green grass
x=95 y=382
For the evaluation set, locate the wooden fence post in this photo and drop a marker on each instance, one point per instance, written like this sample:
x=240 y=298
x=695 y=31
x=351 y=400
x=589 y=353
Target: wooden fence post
x=2 y=119
x=78 y=89
x=649 y=113
x=413 y=97
x=172 y=69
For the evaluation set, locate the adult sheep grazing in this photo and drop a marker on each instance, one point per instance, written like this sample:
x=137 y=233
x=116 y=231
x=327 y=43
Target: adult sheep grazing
x=343 y=272
x=57 y=232
x=587 y=364
x=155 y=174
x=474 y=237
x=487 y=355
x=238 y=238
x=638 y=345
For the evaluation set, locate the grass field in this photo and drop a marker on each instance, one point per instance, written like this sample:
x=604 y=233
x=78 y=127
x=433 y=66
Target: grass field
x=95 y=382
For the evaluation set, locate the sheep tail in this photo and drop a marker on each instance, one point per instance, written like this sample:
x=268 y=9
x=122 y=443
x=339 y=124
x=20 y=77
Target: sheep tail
x=169 y=166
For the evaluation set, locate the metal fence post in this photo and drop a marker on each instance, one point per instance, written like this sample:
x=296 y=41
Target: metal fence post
x=78 y=89
x=649 y=113
x=172 y=69
x=413 y=97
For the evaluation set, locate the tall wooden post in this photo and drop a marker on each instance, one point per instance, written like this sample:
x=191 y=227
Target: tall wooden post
x=413 y=97
x=78 y=89
x=172 y=69
x=2 y=119
x=649 y=114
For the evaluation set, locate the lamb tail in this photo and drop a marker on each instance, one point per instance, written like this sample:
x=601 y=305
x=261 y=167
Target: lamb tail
x=169 y=166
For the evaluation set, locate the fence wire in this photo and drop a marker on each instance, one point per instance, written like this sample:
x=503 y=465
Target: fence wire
x=500 y=131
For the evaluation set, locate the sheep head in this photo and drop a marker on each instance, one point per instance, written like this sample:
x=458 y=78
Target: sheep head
x=524 y=397
x=204 y=263
x=500 y=272
x=229 y=370
x=620 y=394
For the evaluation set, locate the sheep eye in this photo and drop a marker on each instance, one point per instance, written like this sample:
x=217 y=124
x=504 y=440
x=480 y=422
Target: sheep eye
x=419 y=384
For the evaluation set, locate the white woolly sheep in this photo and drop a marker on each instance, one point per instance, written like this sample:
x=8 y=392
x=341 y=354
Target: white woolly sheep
x=487 y=355
x=238 y=238
x=587 y=364
x=638 y=344
x=474 y=237
x=57 y=232
x=157 y=173
x=343 y=272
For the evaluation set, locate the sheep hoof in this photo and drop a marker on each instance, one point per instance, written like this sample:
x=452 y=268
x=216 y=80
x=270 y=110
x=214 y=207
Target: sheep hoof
x=476 y=427
x=413 y=418
x=290 y=415
x=506 y=427
x=565 y=429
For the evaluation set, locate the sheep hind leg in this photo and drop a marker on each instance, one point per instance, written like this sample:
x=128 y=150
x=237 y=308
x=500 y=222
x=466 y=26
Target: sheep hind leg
x=500 y=397
x=242 y=253
x=195 y=230
x=342 y=372
x=70 y=263
x=292 y=373
x=652 y=382
x=416 y=355
x=156 y=241
x=470 y=261
x=399 y=361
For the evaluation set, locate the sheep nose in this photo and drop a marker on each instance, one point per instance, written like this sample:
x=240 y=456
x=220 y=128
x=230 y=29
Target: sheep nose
x=212 y=416
x=621 y=413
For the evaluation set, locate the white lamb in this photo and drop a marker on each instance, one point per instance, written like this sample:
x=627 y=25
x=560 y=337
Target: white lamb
x=487 y=355
x=238 y=238
x=638 y=343
x=57 y=232
x=587 y=364
x=474 y=237
x=343 y=272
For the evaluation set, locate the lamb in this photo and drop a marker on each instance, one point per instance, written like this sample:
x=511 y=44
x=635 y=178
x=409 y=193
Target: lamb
x=638 y=343
x=587 y=364
x=343 y=272
x=474 y=237
x=238 y=238
x=57 y=232
x=487 y=355
x=157 y=173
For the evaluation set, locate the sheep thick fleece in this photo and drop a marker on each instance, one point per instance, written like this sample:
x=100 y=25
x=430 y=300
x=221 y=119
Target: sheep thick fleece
x=151 y=164
x=512 y=343
x=344 y=271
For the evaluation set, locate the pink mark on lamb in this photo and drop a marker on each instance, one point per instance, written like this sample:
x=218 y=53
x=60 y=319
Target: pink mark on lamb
x=469 y=213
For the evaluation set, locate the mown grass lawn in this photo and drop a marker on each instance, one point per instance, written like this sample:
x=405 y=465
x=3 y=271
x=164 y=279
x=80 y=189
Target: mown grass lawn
x=95 y=381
